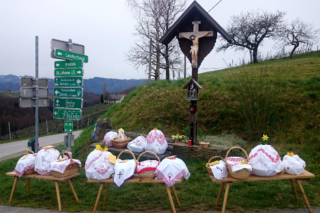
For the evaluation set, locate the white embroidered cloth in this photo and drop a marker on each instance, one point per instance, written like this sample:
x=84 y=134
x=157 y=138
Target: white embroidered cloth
x=293 y=164
x=43 y=160
x=62 y=165
x=138 y=144
x=147 y=165
x=219 y=170
x=236 y=165
x=123 y=171
x=172 y=169
x=156 y=142
x=24 y=163
x=97 y=165
x=108 y=138
x=265 y=161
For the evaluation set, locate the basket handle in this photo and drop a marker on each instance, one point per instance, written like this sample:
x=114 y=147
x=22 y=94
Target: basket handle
x=28 y=150
x=67 y=154
x=148 y=152
x=127 y=150
x=236 y=147
x=213 y=158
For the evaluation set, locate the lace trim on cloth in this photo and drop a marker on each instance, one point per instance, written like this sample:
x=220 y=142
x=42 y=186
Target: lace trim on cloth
x=172 y=181
x=274 y=160
x=93 y=160
x=155 y=136
x=23 y=171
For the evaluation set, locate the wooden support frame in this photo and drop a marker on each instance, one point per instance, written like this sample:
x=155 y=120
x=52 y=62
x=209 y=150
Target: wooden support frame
x=44 y=177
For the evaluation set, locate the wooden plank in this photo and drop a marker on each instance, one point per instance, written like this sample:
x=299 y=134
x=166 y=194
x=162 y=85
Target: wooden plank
x=220 y=193
x=170 y=199
x=294 y=190
x=134 y=179
x=226 y=193
x=304 y=195
x=303 y=175
x=44 y=177
x=13 y=188
x=58 y=195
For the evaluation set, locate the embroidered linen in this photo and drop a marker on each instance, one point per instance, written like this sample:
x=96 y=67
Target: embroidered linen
x=138 y=144
x=156 y=142
x=219 y=170
x=293 y=164
x=97 y=165
x=237 y=165
x=60 y=166
x=147 y=165
x=123 y=171
x=43 y=160
x=108 y=138
x=265 y=161
x=24 y=163
x=172 y=169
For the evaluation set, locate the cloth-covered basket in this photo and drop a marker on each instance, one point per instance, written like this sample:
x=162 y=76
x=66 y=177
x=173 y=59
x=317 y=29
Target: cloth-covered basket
x=24 y=167
x=44 y=158
x=71 y=169
x=121 y=141
x=293 y=165
x=156 y=142
x=145 y=169
x=241 y=174
x=124 y=169
x=208 y=166
x=109 y=136
x=138 y=144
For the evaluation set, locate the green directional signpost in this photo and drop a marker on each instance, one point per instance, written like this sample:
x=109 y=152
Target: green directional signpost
x=68 y=126
x=68 y=72
x=68 y=103
x=68 y=64
x=70 y=56
x=68 y=82
x=67 y=114
x=68 y=92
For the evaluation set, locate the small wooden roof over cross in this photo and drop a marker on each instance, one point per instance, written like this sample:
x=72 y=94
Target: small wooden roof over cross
x=195 y=83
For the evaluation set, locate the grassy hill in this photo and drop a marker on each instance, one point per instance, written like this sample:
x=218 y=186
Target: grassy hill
x=277 y=97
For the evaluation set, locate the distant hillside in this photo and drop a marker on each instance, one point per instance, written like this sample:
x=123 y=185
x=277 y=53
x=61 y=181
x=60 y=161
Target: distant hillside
x=94 y=85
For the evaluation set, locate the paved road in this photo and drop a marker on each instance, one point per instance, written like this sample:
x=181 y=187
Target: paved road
x=13 y=149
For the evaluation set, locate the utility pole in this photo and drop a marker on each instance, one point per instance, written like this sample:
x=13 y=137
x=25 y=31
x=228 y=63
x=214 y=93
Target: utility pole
x=185 y=66
x=37 y=98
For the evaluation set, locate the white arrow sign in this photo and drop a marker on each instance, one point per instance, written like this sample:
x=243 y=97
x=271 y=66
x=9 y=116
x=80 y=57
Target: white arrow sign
x=78 y=81
x=57 y=101
x=59 y=53
x=56 y=92
x=55 y=113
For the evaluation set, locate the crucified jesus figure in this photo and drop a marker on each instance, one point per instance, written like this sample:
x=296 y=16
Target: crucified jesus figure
x=195 y=45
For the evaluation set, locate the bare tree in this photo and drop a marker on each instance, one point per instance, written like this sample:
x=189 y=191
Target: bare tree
x=296 y=33
x=106 y=94
x=154 y=18
x=248 y=30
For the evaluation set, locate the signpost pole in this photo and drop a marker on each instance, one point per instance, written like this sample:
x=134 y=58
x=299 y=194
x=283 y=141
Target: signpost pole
x=37 y=106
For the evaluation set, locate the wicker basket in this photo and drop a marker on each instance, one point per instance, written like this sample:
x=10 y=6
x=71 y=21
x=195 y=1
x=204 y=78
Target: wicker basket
x=242 y=174
x=127 y=150
x=29 y=171
x=204 y=144
x=208 y=167
x=147 y=174
x=71 y=169
x=120 y=143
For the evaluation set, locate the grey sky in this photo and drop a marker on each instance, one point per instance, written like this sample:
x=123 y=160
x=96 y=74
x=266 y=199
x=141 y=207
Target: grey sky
x=106 y=29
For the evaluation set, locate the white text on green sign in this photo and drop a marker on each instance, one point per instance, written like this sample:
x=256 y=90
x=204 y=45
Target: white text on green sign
x=68 y=92
x=70 y=55
x=68 y=82
x=68 y=103
x=67 y=114
x=68 y=126
x=68 y=72
x=68 y=64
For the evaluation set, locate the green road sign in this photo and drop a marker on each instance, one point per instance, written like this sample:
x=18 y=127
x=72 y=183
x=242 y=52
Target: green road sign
x=68 y=103
x=70 y=55
x=68 y=72
x=67 y=114
x=68 y=64
x=68 y=82
x=68 y=92
x=68 y=126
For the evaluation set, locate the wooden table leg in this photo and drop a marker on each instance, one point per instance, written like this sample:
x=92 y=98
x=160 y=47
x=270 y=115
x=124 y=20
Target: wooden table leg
x=304 y=195
x=225 y=198
x=58 y=194
x=73 y=191
x=28 y=180
x=13 y=188
x=98 y=197
x=170 y=199
x=294 y=190
x=220 y=192
x=175 y=196
x=105 y=194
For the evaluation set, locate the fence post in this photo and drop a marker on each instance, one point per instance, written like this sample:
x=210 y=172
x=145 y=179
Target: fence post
x=88 y=122
x=9 y=130
x=47 y=126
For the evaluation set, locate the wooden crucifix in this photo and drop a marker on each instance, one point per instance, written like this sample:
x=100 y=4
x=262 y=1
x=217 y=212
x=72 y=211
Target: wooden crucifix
x=194 y=37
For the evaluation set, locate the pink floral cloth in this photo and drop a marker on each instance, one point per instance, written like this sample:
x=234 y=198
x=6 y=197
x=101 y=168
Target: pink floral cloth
x=156 y=142
x=24 y=163
x=62 y=165
x=147 y=165
x=97 y=165
x=108 y=138
x=236 y=165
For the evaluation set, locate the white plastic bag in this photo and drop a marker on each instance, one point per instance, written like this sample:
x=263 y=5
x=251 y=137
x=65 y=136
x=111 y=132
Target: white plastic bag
x=98 y=166
x=108 y=138
x=138 y=144
x=265 y=161
x=293 y=165
x=44 y=159
x=156 y=142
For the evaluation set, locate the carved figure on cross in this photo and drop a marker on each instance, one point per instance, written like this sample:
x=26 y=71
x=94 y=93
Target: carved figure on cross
x=194 y=37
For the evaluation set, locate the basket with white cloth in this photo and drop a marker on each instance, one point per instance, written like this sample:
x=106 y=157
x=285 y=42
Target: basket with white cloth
x=218 y=168
x=156 y=142
x=138 y=144
x=124 y=169
x=64 y=167
x=121 y=141
x=293 y=164
x=238 y=167
x=25 y=165
x=145 y=169
x=44 y=158
x=108 y=137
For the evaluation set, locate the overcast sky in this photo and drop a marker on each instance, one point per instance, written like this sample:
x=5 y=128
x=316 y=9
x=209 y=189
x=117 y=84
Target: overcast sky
x=106 y=29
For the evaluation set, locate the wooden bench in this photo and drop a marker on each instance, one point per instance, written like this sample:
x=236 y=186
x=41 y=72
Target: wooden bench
x=134 y=179
x=298 y=178
x=44 y=177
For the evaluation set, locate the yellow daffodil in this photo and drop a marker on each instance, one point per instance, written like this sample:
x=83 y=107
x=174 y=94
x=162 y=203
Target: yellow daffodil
x=121 y=130
x=290 y=154
x=105 y=149
x=265 y=137
x=98 y=147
